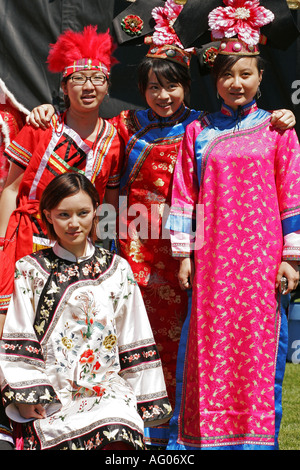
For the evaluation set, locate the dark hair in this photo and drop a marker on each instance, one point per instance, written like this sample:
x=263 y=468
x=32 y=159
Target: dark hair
x=171 y=71
x=66 y=97
x=225 y=62
x=63 y=186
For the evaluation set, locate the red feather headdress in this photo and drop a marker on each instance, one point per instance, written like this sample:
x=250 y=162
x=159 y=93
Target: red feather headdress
x=85 y=50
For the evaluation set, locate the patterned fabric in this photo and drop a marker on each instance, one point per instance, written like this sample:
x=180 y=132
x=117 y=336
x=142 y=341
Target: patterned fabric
x=6 y=281
x=152 y=145
x=6 y=290
x=5 y=426
x=245 y=174
x=45 y=154
x=69 y=344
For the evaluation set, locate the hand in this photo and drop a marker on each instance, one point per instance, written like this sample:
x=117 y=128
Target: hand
x=31 y=411
x=41 y=116
x=186 y=273
x=283 y=119
x=289 y=269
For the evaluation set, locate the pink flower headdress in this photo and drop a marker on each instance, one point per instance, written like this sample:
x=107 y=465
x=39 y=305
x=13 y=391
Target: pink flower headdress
x=86 y=50
x=241 y=18
x=165 y=43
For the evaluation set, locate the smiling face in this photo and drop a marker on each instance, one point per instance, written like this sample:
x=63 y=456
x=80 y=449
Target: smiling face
x=72 y=221
x=163 y=97
x=238 y=84
x=87 y=96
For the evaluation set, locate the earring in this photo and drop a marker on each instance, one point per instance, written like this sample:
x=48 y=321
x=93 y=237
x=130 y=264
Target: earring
x=218 y=96
x=258 y=93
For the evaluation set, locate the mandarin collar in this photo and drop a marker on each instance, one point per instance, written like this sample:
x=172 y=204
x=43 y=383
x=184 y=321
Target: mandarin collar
x=67 y=255
x=241 y=111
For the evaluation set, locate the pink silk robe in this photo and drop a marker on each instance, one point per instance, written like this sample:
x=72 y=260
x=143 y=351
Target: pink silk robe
x=246 y=177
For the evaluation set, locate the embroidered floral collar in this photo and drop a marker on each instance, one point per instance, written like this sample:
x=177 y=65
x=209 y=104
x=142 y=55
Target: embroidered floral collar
x=177 y=116
x=241 y=111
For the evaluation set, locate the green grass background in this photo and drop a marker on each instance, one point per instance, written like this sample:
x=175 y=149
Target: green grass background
x=289 y=434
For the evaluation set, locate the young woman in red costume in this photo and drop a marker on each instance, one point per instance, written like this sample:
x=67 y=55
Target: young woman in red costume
x=79 y=141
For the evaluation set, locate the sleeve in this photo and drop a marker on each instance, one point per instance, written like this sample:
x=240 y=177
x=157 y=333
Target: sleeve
x=126 y=126
x=22 y=147
x=185 y=212
x=287 y=177
x=123 y=123
x=139 y=358
x=22 y=366
x=116 y=121
x=291 y=246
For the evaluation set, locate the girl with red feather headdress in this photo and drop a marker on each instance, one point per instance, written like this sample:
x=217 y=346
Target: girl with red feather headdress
x=79 y=141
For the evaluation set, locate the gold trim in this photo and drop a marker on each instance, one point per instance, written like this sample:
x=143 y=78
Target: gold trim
x=293 y=4
x=180 y=2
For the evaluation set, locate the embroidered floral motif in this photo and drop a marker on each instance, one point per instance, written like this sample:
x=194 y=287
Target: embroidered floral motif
x=159 y=182
x=132 y=25
x=87 y=314
x=110 y=341
x=67 y=342
x=148 y=354
x=70 y=272
x=209 y=56
x=87 y=357
x=12 y=347
x=30 y=396
x=152 y=412
x=135 y=252
x=131 y=358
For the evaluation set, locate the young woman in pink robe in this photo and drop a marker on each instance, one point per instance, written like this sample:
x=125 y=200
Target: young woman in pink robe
x=237 y=189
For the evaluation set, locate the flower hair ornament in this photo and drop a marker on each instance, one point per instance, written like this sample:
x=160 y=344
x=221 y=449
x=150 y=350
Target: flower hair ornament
x=164 y=43
x=238 y=25
x=85 y=50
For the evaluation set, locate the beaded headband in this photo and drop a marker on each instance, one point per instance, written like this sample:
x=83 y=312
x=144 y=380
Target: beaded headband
x=85 y=64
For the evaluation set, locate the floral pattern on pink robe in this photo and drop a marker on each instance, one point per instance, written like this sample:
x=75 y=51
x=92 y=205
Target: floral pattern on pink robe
x=246 y=176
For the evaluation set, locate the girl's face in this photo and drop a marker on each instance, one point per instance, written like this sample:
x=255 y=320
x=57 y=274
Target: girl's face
x=238 y=85
x=87 y=96
x=72 y=221
x=163 y=99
